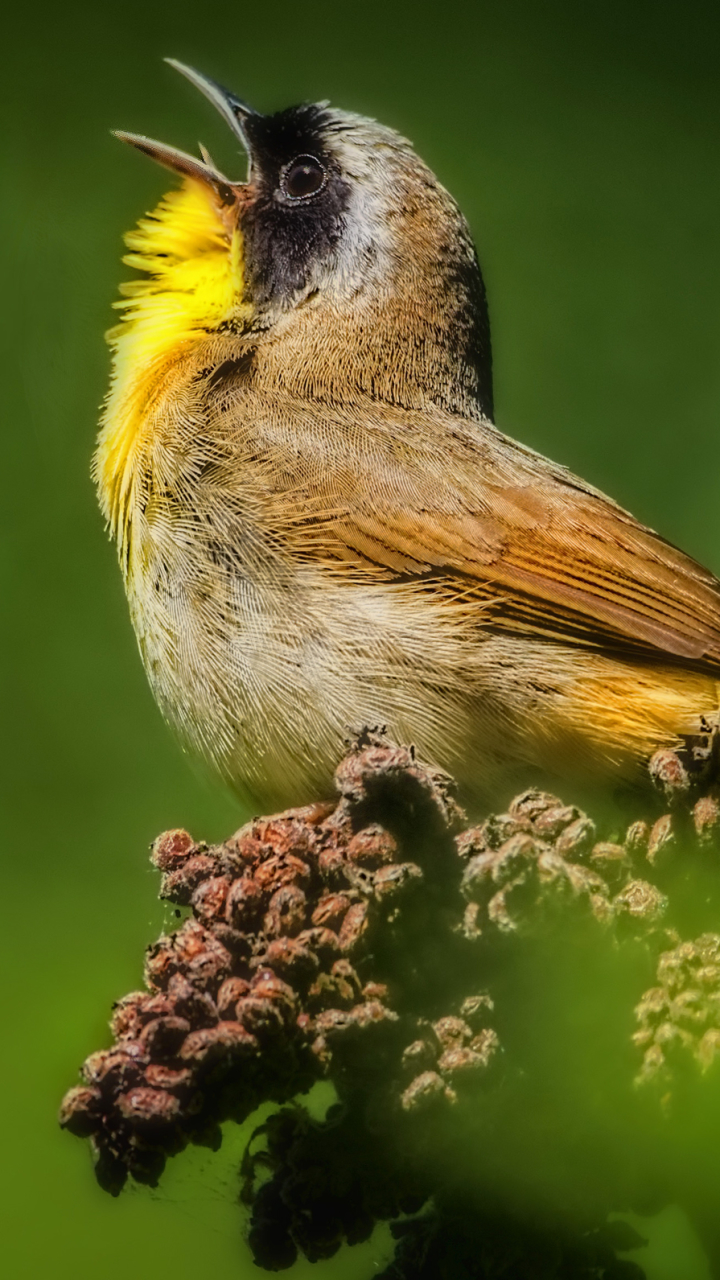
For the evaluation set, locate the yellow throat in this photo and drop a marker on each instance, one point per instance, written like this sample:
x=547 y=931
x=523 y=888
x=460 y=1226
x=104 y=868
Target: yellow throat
x=193 y=259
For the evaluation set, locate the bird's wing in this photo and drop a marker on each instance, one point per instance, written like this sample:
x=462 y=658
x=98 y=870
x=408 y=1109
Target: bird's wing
x=407 y=495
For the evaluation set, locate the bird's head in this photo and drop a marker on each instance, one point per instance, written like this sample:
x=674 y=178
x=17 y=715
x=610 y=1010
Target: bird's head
x=339 y=225
x=340 y=258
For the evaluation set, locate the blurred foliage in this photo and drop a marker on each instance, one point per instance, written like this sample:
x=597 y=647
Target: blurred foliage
x=582 y=143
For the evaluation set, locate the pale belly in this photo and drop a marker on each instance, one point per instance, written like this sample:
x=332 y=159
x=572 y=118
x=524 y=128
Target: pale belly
x=266 y=675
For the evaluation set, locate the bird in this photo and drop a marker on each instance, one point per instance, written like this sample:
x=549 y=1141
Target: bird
x=319 y=526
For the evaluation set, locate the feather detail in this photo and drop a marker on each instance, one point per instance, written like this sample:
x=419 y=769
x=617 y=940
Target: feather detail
x=193 y=283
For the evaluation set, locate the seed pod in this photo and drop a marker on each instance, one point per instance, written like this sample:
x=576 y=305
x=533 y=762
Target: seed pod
x=551 y=822
x=577 y=838
x=354 y=927
x=239 y=1015
x=371 y=1013
x=476 y=1008
x=344 y=969
x=371 y=848
x=203 y=958
x=669 y=775
x=352 y=773
x=243 y=852
x=494 y=832
x=375 y=991
x=485 y=1044
x=316 y=813
x=662 y=843
x=262 y=1018
x=286 y=833
x=160 y=1005
x=332 y=1021
x=286 y=913
x=282 y=869
x=111 y=1170
x=160 y=963
x=478 y=880
x=459 y=1063
x=671 y=1036
x=245 y=903
x=426 y=1090
x=148 y=1111
x=532 y=803
x=610 y=861
x=208 y=900
x=197 y=1006
x=127 y=1019
x=499 y=914
x=330 y=910
x=395 y=879
x=330 y=991
x=81 y=1111
x=292 y=960
x=232 y=990
x=178 y=886
x=690 y=1007
x=193 y=950
x=172 y=849
x=643 y=1038
x=515 y=857
x=159 y=1076
x=640 y=901
x=472 y=842
x=118 y=1068
x=451 y=1032
x=636 y=839
x=163 y=1037
x=332 y=866
x=323 y=942
x=227 y=1040
x=239 y=945
x=267 y=986
x=706 y=819
x=365 y=1023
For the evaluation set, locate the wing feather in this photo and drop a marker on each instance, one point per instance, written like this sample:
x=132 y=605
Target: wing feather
x=409 y=494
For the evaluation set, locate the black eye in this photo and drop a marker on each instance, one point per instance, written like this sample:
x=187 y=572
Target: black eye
x=304 y=177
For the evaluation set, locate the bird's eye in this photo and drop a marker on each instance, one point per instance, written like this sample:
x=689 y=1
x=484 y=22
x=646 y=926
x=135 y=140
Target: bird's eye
x=303 y=177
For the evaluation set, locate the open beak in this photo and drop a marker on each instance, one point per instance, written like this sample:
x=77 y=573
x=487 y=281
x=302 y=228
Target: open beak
x=233 y=111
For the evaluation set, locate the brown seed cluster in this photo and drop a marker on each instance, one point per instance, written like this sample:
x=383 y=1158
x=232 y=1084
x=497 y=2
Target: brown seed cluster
x=280 y=976
x=344 y=941
x=541 y=857
x=680 y=1017
x=328 y=1184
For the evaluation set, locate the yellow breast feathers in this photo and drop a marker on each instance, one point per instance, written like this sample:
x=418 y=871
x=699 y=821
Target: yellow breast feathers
x=193 y=261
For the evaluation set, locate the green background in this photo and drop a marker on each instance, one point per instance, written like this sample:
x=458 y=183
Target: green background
x=582 y=142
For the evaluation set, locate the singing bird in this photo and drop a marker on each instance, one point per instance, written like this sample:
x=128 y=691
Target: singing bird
x=318 y=525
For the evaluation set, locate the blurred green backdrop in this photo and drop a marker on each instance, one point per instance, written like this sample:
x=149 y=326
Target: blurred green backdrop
x=582 y=143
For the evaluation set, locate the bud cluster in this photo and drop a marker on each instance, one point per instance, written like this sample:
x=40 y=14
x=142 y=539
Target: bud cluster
x=344 y=941
x=280 y=976
x=680 y=1018
x=329 y=1185
x=543 y=856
